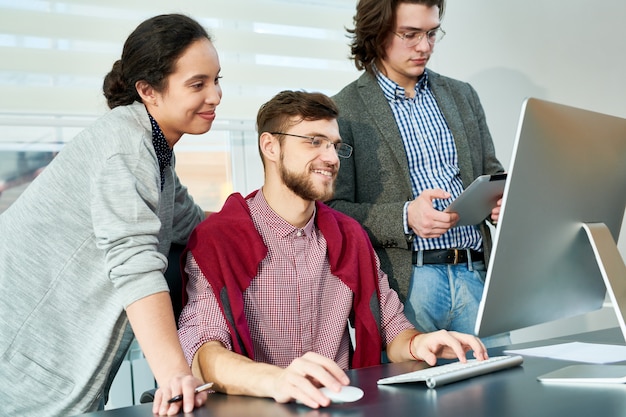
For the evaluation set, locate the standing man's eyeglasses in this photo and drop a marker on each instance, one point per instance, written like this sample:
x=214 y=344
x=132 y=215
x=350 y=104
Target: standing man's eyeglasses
x=412 y=38
x=343 y=149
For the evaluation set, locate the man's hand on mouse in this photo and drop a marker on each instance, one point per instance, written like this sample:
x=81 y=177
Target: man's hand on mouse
x=301 y=380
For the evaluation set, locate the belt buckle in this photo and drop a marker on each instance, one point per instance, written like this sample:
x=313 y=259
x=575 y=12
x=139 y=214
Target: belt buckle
x=456 y=256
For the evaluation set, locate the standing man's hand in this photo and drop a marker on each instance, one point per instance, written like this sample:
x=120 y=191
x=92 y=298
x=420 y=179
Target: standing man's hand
x=495 y=213
x=425 y=220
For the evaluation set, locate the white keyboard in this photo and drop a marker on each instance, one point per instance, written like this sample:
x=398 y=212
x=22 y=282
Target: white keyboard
x=455 y=371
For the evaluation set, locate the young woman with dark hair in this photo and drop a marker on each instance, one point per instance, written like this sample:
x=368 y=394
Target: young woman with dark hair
x=84 y=248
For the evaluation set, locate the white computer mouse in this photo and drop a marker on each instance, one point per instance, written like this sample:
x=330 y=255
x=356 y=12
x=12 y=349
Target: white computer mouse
x=347 y=394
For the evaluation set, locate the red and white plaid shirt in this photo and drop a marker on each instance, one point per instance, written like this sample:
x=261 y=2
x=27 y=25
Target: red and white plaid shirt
x=294 y=305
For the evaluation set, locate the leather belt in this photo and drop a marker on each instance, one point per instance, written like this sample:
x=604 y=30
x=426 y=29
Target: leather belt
x=448 y=256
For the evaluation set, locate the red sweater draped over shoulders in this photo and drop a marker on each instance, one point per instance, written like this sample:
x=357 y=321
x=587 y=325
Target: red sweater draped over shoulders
x=228 y=249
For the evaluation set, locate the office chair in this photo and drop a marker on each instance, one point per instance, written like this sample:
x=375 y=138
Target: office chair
x=174 y=279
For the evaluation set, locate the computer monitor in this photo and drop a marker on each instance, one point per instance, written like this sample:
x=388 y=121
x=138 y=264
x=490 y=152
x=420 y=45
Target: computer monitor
x=555 y=251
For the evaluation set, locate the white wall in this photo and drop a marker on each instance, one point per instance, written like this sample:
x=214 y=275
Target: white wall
x=567 y=51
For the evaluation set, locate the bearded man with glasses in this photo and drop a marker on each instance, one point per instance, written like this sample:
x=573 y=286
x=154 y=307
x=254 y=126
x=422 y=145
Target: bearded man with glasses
x=419 y=139
x=274 y=277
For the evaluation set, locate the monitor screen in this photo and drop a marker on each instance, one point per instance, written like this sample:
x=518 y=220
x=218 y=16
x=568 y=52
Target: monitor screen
x=568 y=169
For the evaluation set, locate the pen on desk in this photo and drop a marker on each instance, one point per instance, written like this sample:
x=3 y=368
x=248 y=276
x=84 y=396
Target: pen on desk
x=201 y=388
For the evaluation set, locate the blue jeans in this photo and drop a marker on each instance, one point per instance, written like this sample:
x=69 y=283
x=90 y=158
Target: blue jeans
x=443 y=296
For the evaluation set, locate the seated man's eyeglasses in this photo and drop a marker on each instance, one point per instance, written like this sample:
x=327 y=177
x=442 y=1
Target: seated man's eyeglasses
x=343 y=149
x=412 y=38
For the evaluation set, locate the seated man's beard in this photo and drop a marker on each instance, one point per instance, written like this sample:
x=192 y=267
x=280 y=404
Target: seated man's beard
x=303 y=187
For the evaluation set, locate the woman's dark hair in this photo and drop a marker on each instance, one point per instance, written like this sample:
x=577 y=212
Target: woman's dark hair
x=373 y=21
x=150 y=54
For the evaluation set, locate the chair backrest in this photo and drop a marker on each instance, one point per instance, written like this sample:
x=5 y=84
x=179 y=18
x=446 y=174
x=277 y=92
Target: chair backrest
x=174 y=275
x=174 y=278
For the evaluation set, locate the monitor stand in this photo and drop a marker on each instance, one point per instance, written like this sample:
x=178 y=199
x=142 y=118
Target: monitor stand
x=611 y=266
x=613 y=270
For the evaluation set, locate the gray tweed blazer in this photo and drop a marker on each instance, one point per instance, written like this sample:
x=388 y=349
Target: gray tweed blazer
x=373 y=184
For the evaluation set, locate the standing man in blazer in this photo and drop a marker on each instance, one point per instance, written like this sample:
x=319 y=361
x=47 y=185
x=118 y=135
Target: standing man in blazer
x=419 y=140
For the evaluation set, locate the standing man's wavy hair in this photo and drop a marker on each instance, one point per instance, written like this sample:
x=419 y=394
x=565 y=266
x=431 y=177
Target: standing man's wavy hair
x=373 y=21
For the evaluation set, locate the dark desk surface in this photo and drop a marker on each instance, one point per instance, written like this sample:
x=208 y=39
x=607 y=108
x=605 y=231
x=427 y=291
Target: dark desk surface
x=509 y=393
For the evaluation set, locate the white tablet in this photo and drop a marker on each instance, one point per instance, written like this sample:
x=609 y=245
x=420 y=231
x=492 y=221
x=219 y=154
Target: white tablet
x=474 y=205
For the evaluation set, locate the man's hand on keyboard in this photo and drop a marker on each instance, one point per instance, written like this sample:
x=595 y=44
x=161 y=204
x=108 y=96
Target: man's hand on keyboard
x=444 y=344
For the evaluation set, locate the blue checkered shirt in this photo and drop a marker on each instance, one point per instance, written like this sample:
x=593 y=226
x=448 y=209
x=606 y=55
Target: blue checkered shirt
x=431 y=155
